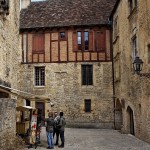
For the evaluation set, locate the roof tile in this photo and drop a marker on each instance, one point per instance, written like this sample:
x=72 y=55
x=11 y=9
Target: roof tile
x=58 y=13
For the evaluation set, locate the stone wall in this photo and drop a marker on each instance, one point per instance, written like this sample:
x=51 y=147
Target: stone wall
x=7 y=121
x=9 y=44
x=9 y=60
x=130 y=89
x=64 y=88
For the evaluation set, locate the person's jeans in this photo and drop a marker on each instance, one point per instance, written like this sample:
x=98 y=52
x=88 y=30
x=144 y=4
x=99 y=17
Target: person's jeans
x=62 y=138
x=50 y=140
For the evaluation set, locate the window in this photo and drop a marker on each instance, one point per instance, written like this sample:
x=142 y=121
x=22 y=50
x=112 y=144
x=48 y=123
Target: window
x=27 y=102
x=86 y=40
x=83 y=40
x=134 y=47
x=62 y=35
x=83 y=43
x=87 y=105
x=87 y=75
x=39 y=76
x=79 y=41
x=38 y=43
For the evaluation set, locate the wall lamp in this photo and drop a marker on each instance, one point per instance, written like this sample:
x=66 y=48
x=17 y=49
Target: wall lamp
x=137 y=66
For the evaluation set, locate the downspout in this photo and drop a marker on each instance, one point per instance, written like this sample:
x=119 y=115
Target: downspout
x=113 y=81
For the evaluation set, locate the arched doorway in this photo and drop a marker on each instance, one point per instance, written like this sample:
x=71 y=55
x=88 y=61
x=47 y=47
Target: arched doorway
x=130 y=120
x=118 y=115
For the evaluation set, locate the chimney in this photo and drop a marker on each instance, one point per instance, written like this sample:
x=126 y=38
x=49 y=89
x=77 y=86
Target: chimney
x=25 y=3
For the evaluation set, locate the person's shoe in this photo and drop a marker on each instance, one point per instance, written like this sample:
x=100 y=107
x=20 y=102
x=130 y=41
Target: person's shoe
x=56 y=144
x=61 y=146
x=52 y=148
x=48 y=147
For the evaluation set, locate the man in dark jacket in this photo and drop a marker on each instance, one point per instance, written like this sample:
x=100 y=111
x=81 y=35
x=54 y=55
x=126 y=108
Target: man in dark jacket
x=61 y=126
x=49 y=130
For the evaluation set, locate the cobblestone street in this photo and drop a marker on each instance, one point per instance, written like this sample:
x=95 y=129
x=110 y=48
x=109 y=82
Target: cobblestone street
x=96 y=139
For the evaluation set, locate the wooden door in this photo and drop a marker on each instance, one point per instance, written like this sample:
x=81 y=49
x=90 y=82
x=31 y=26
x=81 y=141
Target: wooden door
x=41 y=109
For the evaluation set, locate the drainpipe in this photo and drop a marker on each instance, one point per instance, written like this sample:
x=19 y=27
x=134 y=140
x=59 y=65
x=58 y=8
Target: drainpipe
x=113 y=81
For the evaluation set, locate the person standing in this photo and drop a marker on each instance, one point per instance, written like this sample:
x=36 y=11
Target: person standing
x=56 y=130
x=49 y=130
x=61 y=127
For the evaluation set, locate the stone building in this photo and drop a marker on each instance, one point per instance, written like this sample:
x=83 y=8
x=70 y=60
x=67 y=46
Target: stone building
x=9 y=41
x=131 y=38
x=66 y=57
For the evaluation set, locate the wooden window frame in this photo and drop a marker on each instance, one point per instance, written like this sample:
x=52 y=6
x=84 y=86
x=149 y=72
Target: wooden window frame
x=79 y=40
x=87 y=105
x=39 y=76
x=87 y=75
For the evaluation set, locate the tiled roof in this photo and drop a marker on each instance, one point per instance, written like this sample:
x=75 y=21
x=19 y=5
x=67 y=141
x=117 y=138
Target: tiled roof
x=59 y=13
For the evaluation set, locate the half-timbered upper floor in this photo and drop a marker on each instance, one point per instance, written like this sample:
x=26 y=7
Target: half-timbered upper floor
x=66 y=45
x=66 y=31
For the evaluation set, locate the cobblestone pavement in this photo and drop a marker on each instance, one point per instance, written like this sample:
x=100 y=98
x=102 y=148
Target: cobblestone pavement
x=96 y=139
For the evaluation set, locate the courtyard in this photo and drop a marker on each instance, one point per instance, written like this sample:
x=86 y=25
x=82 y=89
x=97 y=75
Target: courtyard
x=96 y=139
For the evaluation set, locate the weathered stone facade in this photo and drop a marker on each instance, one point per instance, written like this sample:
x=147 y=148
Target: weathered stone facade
x=62 y=59
x=131 y=24
x=63 y=85
x=9 y=44
x=9 y=60
x=7 y=123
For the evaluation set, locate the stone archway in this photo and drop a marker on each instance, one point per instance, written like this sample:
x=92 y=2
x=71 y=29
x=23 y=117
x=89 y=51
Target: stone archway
x=130 y=120
x=118 y=115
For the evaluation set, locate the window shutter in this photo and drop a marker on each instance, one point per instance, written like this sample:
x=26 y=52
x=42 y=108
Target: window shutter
x=91 y=47
x=74 y=41
x=35 y=43
x=38 y=42
x=41 y=42
x=101 y=40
